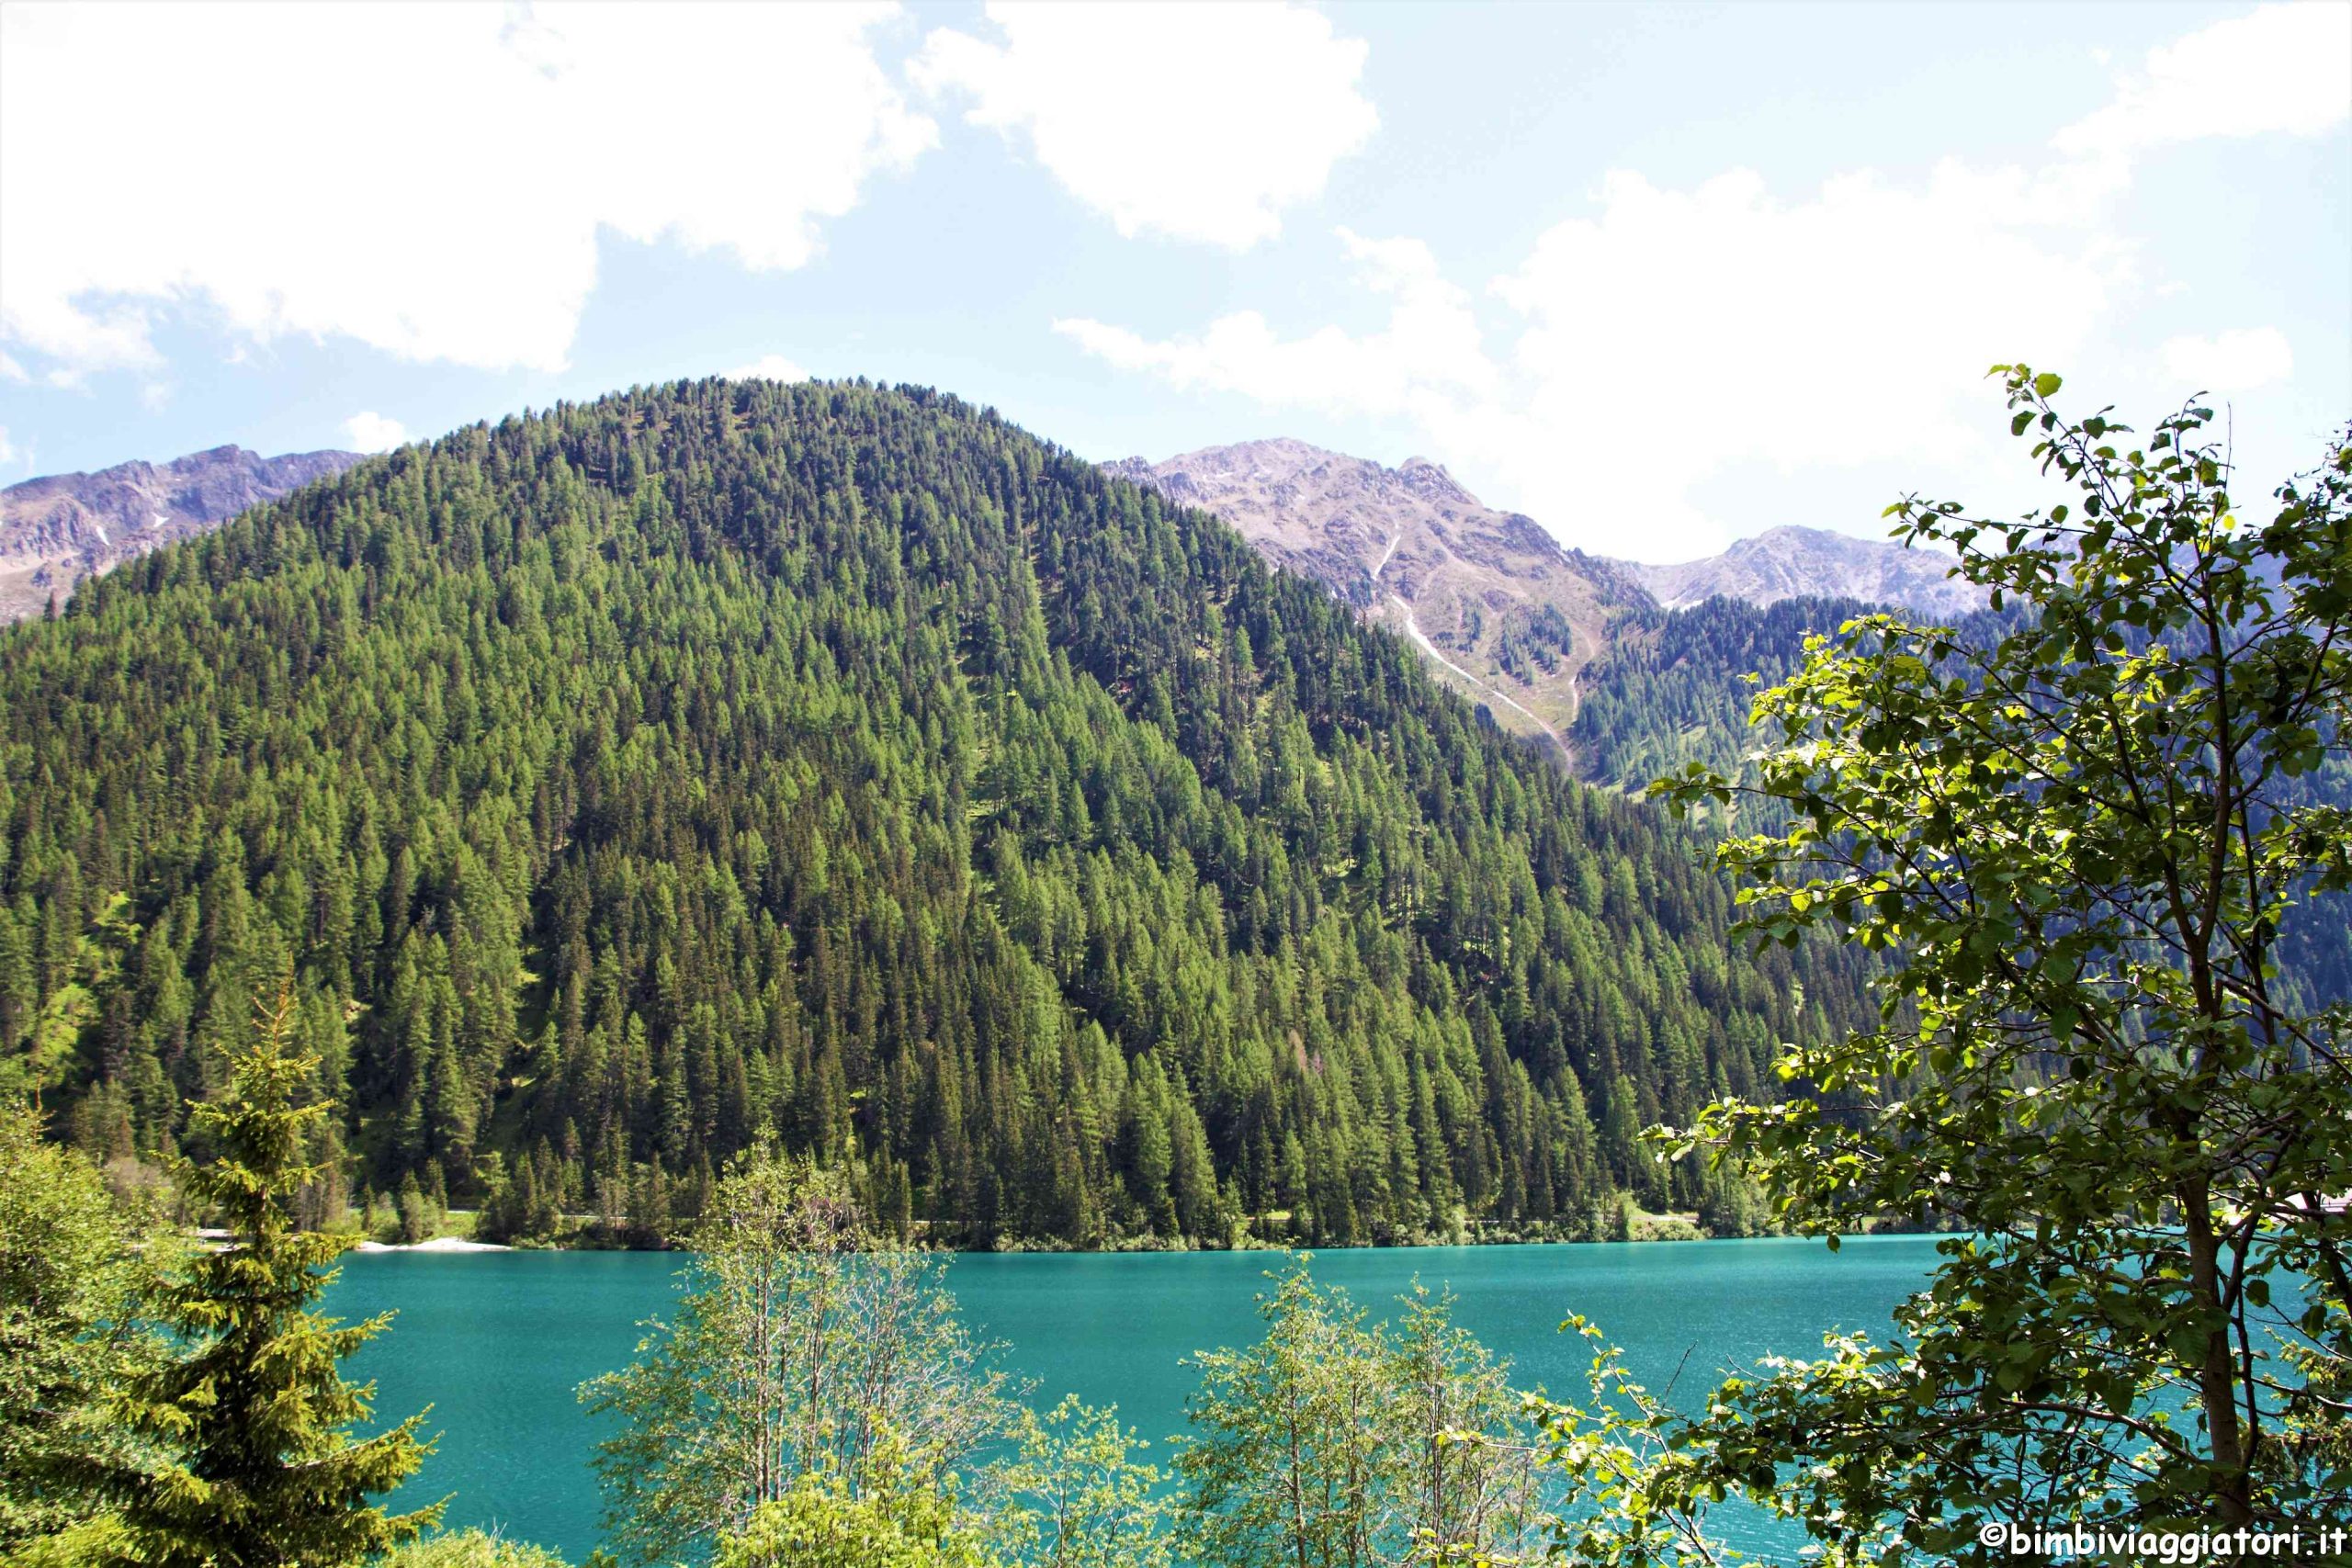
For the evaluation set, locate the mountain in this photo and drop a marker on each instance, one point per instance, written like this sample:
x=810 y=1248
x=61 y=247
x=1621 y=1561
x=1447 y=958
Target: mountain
x=624 y=784
x=1796 y=563
x=1503 y=614
x=57 y=530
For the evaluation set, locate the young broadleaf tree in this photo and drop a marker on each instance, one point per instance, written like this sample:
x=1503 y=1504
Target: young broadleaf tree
x=76 y=1267
x=262 y=1472
x=2089 y=851
x=899 y=1514
x=804 y=1349
x=1071 y=1494
x=1334 y=1442
x=1289 y=1438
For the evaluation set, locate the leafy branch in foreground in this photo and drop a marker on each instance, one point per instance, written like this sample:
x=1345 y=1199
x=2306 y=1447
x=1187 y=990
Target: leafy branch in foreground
x=895 y=1515
x=1070 y=1495
x=1636 y=1488
x=2083 y=849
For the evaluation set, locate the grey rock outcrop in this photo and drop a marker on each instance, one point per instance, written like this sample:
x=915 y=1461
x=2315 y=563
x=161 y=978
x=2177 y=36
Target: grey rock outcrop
x=60 y=529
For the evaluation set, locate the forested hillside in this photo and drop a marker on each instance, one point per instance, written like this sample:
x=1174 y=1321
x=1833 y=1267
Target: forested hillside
x=1673 y=688
x=1669 y=689
x=626 y=782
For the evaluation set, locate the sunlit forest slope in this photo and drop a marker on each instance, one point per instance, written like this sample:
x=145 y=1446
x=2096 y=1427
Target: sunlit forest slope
x=628 y=783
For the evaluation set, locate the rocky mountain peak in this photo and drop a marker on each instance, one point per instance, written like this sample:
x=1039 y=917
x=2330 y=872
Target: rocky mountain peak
x=59 y=529
x=1500 y=610
x=1432 y=479
x=1791 y=562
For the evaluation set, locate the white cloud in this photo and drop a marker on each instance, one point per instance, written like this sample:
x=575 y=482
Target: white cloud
x=428 y=179
x=2282 y=68
x=371 y=431
x=768 y=367
x=1199 y=122
x=7 y=448
x=2234 y=361
x=1428 y=352
x=1675 y=344
x=1679 y=333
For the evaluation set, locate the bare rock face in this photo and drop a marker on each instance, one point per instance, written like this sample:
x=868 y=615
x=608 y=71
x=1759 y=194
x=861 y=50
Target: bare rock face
x=1788 y=563
x=58 y=530
x=1502 y=612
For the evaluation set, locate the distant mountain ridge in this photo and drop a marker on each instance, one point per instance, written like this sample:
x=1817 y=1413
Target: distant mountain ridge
x=1406 y=545
x=1503 y=610
x=1816 y=563
x=61 y=528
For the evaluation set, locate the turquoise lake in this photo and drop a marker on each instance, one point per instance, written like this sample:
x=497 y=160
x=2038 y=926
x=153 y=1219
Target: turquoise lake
x=497 y=1342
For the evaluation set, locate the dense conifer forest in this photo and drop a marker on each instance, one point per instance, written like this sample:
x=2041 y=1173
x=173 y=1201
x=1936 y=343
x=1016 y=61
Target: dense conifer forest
x=625 y=783
x=1675 y=686
x=1669 y=688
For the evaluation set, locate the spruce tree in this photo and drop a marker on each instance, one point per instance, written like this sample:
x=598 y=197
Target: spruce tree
x=255 y=1418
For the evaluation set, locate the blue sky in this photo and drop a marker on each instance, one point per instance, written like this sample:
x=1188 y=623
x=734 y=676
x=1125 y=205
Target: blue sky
x=1659 y=275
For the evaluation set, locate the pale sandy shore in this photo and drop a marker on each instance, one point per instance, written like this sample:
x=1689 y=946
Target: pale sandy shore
x=438 y=1244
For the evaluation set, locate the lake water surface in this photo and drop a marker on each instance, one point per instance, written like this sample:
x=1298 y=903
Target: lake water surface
x=497 y=1342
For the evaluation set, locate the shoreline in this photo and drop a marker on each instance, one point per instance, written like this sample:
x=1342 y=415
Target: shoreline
x=438 y=1244
x=460 y=1246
